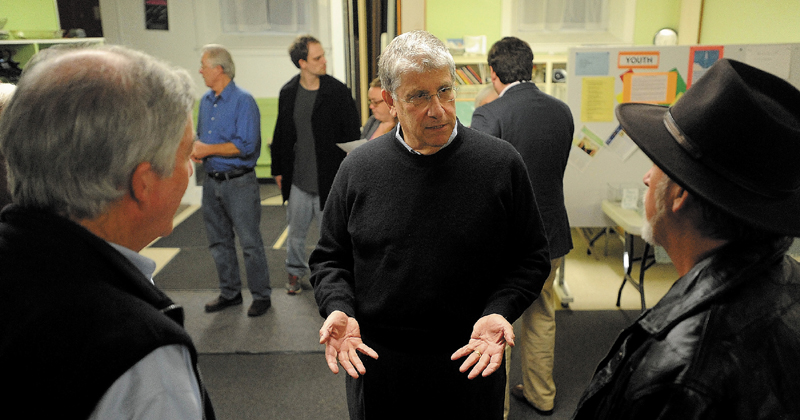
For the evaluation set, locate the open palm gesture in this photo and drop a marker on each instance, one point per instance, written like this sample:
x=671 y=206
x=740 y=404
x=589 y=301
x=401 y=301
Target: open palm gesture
x=342 y=338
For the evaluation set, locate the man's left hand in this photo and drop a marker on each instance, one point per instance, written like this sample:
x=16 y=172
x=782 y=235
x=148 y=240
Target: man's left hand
x=486 y=346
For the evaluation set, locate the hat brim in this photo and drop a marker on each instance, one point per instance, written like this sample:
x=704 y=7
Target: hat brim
x=644 y=124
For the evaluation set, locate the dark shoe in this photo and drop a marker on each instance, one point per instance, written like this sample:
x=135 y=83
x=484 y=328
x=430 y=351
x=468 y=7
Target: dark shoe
x=293 y=287
x=221 y=303
x=519 y=393
x=259 y=307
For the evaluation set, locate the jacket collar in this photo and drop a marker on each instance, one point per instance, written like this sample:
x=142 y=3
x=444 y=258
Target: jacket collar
x=67 y=234
x=517 y=86
x=717 y=274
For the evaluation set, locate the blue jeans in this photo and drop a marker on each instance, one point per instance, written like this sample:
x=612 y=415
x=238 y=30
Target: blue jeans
x=234 y=207
x=300 y=211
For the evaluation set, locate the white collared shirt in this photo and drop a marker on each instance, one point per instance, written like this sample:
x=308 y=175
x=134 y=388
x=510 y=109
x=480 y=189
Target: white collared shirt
x=399 y=136
x=509 y=86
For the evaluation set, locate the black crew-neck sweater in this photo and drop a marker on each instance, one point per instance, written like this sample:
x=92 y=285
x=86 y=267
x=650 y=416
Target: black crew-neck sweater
x=411 y=243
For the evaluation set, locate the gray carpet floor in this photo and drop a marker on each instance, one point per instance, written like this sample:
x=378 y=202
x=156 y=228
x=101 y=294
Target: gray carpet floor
x=272 y=367
x=298 y=385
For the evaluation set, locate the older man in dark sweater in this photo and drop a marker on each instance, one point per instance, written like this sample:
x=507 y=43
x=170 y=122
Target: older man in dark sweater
x=431 y=247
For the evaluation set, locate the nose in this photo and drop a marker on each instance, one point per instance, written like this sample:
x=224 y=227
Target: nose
x=646 y=178
x=435 y=107
x=191 y=168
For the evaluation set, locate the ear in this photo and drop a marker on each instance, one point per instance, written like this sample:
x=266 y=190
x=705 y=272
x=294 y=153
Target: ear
x=496 y=83
x=143 y=183
x=387 y=97
x=680 y=198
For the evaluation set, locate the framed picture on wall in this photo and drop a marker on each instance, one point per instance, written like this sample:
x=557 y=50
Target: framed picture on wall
x=155 y=15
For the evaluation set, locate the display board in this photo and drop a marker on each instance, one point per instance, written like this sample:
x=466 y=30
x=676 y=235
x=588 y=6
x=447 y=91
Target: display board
x=603 y=160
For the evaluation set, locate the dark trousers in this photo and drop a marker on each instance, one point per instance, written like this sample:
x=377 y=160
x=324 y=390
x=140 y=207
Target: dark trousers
x=403 y=385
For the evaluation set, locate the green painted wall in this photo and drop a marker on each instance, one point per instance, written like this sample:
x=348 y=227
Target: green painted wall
x=724 y=21
x=750 y=22
x=454 y=19
x=31 y=15
x=457 y=18
x=269 y=116
x=652 y=15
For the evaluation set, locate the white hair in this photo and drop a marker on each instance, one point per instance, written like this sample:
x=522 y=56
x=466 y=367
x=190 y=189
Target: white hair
x=416 y=51
x=82 y=120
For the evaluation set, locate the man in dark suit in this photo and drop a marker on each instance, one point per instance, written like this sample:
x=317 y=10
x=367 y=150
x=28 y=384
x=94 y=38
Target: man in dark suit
x=540 y=127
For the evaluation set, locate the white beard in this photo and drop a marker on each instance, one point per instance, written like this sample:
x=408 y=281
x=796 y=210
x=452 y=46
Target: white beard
x=647 y=233
x=650 y=226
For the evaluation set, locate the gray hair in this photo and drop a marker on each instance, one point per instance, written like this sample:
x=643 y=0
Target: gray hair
x=82 y=120
x=483 y=94
x=416 y=51
x=220 y=56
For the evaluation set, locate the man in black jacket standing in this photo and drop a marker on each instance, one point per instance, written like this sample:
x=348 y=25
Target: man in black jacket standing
x=315 y=111
x=98 y=143
x=722 y=199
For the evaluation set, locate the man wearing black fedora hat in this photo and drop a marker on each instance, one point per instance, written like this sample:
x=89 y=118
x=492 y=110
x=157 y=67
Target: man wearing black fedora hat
x=723 y=199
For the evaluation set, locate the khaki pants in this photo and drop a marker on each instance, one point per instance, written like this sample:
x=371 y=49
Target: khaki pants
x=536 y=341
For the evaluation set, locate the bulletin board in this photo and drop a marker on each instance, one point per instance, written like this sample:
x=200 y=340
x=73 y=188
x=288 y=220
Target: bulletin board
x=603 y=159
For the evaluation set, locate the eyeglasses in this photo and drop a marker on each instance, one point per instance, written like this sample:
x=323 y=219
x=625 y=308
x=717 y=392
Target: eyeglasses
x=375 y=103
x=445 y=94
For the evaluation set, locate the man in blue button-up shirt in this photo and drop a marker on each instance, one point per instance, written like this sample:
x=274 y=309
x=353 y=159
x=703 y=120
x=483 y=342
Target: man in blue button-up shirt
x=229 y=143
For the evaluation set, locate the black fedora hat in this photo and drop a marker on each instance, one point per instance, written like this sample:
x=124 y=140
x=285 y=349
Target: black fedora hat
x=732 y=140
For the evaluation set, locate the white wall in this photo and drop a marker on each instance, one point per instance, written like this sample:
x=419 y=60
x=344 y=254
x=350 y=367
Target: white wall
x=262 y=63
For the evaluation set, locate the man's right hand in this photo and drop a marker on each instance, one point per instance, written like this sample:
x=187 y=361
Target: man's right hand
x=342 y=337
x=278 y=179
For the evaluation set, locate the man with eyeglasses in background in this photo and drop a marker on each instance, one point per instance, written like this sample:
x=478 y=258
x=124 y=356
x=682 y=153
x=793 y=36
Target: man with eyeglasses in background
x=431 y=246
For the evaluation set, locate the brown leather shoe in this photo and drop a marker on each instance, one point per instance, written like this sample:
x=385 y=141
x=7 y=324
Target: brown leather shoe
x=221 y=303
x=259 y=307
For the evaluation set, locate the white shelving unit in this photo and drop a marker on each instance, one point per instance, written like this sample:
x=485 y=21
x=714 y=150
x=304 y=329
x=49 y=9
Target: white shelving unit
x=545 y=66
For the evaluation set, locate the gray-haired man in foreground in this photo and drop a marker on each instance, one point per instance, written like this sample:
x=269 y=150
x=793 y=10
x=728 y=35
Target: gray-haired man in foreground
x=97 y=143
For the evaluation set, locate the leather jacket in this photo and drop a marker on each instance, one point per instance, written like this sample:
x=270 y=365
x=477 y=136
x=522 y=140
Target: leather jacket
x=723 y=343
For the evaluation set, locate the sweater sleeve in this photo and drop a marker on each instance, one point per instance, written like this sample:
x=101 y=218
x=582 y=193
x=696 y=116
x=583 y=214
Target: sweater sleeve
x=331 y=261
